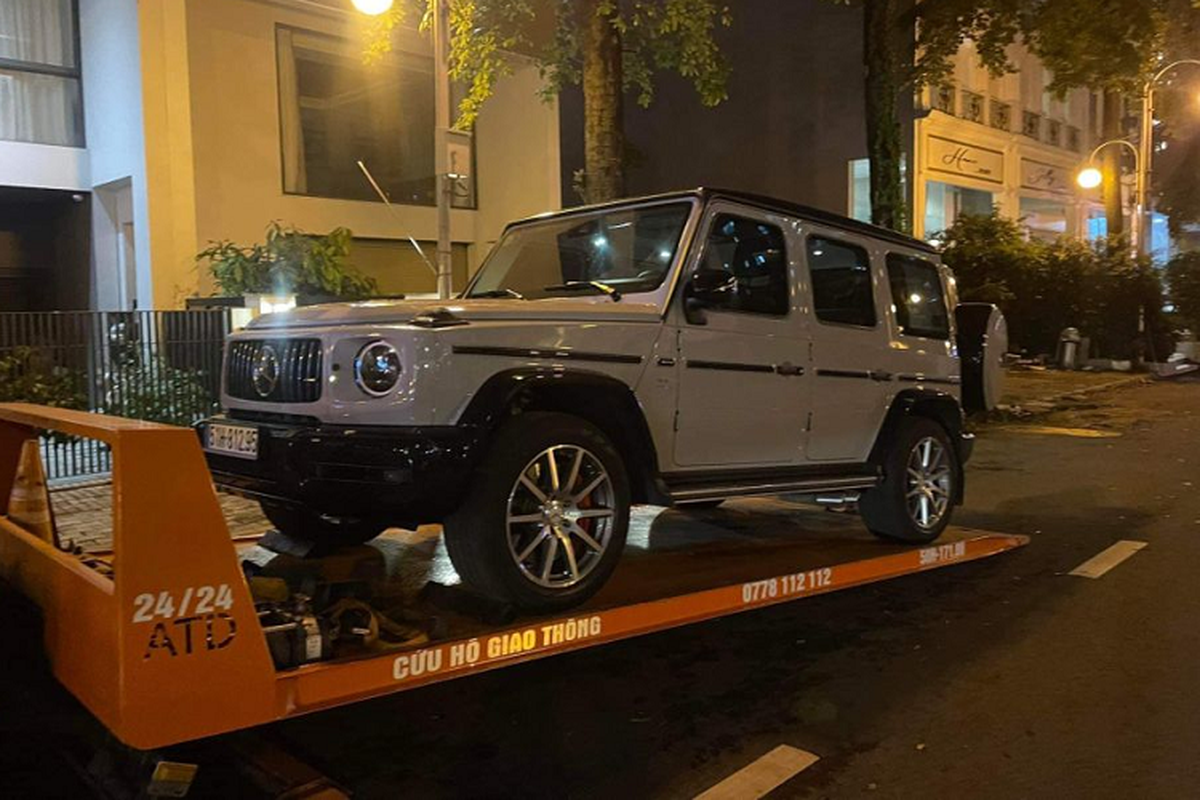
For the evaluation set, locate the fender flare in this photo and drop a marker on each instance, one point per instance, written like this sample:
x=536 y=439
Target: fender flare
x=607 y=402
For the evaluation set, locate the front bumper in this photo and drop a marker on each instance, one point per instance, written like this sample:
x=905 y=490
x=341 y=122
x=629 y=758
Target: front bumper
x=402 y=475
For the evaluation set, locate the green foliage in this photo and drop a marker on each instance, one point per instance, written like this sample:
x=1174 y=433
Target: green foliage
x=656 y=35
x=27 y=376
x=1183 y=276
x=1043 y=287
x=288 y=262
x=149 y=388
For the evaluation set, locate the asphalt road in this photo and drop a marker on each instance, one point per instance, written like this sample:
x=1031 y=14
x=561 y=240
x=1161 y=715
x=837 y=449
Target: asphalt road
x=1001 y=678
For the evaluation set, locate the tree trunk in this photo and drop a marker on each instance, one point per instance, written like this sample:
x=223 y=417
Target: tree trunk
x=1110 y=129
x=881 y=59
x=603 y=133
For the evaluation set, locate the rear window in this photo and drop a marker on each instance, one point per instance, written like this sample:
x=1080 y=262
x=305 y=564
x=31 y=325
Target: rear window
x=918 y=297
x=841 y=282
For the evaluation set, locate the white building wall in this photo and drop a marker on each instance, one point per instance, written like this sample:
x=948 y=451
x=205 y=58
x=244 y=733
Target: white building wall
x=112 y=89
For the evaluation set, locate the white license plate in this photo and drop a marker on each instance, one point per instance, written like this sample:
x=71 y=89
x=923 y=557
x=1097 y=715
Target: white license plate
x=232 y=440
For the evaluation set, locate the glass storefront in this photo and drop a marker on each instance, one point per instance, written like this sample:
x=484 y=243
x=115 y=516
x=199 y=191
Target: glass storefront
x=1045 y=219
x=945 y=202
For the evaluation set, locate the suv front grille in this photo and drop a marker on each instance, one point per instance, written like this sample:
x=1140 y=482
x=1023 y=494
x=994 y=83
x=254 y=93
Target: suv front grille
x=294 y=363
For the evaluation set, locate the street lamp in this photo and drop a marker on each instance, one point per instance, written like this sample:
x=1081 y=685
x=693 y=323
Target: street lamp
x=1090 y=177
x=372 y=8
x=444 y=186
x=1146 y=157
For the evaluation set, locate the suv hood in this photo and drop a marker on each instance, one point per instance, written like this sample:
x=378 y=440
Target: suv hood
x=399 y=312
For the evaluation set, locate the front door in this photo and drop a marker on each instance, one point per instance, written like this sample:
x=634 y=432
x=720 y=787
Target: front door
x=743 y=376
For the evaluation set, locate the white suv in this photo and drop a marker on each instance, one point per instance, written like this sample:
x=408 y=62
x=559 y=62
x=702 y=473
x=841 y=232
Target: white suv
x=677 y=349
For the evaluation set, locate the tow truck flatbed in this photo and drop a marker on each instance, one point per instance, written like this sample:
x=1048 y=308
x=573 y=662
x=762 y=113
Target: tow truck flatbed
x=159 y=638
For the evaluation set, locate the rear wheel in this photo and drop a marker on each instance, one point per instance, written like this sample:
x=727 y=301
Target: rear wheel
x=309 y=526
x=547 y=514
x=915 y=500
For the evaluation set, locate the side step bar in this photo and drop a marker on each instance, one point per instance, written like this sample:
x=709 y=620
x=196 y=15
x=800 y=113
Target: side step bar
x=758 y=488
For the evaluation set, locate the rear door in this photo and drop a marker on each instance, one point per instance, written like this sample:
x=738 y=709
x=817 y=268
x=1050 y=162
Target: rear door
x=743 y=377
x=849 y=344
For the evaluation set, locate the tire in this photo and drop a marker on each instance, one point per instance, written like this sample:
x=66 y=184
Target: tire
x=982 y=342
x=700 y=505
x=887 y=511
x=327 y=532
x=528 y=561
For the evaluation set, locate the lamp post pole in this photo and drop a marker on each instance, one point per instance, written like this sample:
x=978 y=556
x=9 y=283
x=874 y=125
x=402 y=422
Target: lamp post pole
x=1092 y=180
x=1146 y=152
x=441 y=95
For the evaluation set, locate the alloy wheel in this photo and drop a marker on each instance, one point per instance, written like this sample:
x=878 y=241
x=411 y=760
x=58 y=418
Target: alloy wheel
x=560 y=516
x=929 y=482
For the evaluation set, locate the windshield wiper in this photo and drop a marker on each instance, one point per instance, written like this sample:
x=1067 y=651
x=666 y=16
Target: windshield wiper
x=573 y=286
x=505 y=292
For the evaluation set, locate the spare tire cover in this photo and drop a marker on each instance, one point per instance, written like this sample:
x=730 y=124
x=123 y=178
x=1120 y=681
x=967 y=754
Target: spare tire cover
x=982 y=343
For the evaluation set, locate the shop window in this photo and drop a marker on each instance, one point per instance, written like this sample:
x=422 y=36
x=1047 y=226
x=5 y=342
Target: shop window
x=945 y=202
x=918 y=297
x=40 y=98
x=860 y=186
x=840 y=275
x=754 y=257
x=1031 y=125
x=972 y=108
x=1073 y=139
x=943 y=98
x=335 y=111
x=1044 y=219
x=1054 y=132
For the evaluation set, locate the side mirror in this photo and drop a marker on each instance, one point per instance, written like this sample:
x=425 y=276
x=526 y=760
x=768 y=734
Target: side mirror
x=706 y=289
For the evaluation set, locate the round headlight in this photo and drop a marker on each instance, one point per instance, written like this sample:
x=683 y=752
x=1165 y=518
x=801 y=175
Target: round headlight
x=377 y=368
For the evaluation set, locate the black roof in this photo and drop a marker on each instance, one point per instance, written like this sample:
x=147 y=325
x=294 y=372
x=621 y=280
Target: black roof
x=707 y=193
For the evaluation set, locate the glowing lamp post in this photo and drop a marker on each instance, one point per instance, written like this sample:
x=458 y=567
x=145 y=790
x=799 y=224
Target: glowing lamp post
x=1090 y=177
x=441 y=104
x=372 y=8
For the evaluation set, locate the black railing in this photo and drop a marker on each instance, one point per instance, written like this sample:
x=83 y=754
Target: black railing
x=163 y=366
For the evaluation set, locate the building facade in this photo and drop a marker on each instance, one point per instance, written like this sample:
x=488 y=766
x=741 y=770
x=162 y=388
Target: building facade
x=134 y=133
x=982 y=141
x=794 y=127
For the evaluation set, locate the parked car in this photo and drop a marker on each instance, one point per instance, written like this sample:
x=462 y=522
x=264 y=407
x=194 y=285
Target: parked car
x=677 y=349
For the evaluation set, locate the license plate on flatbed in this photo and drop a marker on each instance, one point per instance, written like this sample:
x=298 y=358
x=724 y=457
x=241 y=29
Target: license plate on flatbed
x=240 y=441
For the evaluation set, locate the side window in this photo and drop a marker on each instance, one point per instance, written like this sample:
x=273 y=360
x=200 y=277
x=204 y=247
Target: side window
x=752 y=257
x=841 y=282
x=918 y=296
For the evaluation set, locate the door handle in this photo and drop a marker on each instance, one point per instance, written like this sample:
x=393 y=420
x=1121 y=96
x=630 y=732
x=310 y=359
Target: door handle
x=880 y=375
x=788 y=369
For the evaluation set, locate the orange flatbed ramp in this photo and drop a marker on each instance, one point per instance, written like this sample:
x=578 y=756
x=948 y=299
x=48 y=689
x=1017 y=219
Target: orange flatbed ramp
x=163 y=644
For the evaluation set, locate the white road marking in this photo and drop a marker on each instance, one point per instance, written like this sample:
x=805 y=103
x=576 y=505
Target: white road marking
x=756 y=779
x=1105 y=560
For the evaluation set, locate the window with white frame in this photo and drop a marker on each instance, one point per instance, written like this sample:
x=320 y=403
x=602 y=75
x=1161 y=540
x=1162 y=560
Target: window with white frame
x=40 y=98
x=335 y=110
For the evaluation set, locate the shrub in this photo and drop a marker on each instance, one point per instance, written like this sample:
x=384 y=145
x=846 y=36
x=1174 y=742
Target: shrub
x=28 y=377
x=149 y=388
x=1043 y=287
x=288 y=262
x=1183 y=276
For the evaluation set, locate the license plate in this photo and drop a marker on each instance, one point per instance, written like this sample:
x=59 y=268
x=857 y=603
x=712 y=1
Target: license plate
x=239 y=441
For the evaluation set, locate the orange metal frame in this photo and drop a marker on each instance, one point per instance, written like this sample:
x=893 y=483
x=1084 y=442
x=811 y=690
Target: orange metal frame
x=169 y=648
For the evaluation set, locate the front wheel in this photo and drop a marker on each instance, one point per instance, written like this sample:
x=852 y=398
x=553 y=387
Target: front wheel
x=547 y=514
x=915 y=500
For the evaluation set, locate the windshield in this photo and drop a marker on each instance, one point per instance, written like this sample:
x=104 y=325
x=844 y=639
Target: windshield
x=624 y=249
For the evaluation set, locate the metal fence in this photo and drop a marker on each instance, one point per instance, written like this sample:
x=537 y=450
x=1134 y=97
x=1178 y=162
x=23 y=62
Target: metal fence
x=163 y=366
